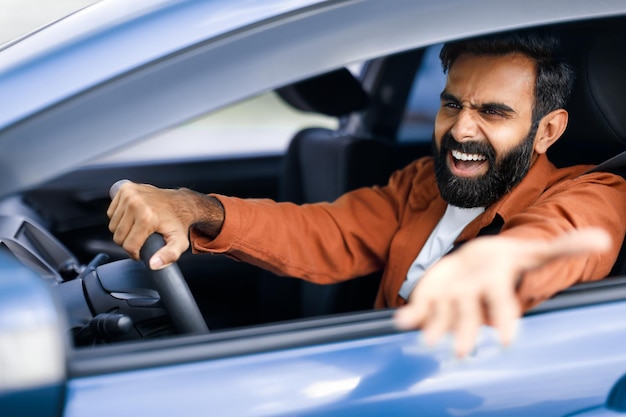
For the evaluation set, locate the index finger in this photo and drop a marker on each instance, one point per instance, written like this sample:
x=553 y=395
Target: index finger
x=116 y=187
x=504 y=311
x=113 y=193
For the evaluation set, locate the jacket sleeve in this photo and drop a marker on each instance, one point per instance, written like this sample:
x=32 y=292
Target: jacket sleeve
x=591 y=200
x=322 y=242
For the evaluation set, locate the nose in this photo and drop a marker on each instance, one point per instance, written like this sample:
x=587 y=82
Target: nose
x=465 y=126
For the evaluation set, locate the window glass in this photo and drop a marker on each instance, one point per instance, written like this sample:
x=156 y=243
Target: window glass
x=419 y=117
x=261 y=125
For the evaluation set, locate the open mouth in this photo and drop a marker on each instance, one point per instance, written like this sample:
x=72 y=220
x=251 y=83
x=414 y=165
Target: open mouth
x=467 y=164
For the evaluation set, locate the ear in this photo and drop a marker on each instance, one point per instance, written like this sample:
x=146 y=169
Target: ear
x=550 y=129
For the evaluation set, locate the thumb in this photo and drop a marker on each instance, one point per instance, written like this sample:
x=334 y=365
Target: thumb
x=578 y=241
x=157 y=263
x=174 y=247
x=590 y=239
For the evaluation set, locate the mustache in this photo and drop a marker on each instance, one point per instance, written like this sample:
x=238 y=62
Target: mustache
x=448 y=143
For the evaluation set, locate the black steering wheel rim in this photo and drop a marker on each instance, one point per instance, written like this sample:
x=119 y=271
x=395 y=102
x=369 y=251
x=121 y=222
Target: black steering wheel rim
x=174 y=291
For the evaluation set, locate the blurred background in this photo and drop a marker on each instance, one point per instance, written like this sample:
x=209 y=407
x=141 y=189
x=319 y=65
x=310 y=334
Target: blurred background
x=18 y=17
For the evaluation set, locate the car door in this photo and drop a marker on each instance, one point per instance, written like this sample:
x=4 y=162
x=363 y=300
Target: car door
x=359 y=365
x=567 y=360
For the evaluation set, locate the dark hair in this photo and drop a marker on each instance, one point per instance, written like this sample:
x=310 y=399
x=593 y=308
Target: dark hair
x=554 y=77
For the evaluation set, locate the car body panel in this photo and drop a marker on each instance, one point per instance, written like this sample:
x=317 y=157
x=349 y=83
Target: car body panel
x=389 y=375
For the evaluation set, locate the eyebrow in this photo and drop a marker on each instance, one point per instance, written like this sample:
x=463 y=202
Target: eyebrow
x=490 y=106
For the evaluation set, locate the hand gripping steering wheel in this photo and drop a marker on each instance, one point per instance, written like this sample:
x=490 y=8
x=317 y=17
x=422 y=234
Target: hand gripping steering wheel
x=171 y=285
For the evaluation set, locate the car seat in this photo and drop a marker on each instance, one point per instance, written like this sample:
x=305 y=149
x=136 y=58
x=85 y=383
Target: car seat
x=320 y=165
x=596 y=130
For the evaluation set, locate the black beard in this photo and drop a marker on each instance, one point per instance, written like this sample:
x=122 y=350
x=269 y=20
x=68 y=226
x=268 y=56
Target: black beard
x=500 y=178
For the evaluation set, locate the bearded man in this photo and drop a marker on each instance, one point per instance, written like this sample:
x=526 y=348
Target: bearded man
x=501 y=109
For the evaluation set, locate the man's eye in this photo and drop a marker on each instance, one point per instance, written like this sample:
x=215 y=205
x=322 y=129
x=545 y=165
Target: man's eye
x=492 y=112
x=452 y=105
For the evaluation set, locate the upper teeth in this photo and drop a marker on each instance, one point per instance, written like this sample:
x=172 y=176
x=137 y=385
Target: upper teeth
x=468 y=156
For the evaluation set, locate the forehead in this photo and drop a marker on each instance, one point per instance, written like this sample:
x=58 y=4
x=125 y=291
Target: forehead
x=478 y=79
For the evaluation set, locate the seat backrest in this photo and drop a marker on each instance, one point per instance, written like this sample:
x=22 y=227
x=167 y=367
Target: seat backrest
x=597 y=108
x=320 y=165
x=596 y=130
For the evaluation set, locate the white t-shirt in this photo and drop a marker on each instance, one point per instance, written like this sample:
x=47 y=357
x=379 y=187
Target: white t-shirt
x=440 y=241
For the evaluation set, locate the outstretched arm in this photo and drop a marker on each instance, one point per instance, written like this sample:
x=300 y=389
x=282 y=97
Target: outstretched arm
x=476 y=285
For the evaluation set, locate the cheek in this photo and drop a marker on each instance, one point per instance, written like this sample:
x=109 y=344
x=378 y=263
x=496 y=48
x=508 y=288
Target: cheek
x=506 y=139
x=442 y=126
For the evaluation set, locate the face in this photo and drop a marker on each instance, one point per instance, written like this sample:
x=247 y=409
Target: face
x=483 y=138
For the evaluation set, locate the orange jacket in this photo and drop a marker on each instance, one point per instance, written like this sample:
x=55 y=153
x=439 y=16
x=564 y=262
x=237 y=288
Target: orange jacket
x=385 y=227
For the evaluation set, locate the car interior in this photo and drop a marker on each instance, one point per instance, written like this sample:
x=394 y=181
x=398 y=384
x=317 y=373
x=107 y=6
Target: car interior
x=60 y=228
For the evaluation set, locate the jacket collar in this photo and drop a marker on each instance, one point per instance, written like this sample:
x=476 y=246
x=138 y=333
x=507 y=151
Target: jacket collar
x=529 y=189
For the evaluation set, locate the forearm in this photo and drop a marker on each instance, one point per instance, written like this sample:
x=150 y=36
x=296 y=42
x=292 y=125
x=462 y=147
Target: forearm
x=593 y=205
x=321 y=242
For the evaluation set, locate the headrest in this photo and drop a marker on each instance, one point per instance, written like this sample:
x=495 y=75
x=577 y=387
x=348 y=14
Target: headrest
x=597 y=108
x=336 y=93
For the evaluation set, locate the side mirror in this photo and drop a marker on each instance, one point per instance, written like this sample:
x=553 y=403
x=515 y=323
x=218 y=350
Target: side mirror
x=32 y=343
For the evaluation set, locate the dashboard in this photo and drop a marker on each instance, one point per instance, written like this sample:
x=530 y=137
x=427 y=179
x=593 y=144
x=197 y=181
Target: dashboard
x=104 y=301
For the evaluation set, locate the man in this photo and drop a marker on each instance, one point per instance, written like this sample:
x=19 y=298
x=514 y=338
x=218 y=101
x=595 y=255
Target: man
x=501 y=109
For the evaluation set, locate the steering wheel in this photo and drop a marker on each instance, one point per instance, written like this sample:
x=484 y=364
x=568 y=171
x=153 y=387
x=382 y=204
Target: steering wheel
x=171 y=285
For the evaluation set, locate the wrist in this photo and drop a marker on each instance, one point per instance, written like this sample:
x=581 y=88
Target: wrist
x=207 y=213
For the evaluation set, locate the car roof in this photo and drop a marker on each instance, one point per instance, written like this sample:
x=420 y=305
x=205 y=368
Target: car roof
x=118 y=71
